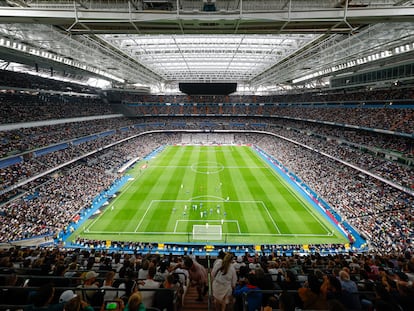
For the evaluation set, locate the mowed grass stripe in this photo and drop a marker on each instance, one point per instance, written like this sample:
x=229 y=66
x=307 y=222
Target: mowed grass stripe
x=230 y=190
x=222 y=189
x=177 y=163
x=250 y=207
x=213 y=177
x=169 y=189
x=197 y=182
x=260 y=188
x=260 y=221
x=189 y=181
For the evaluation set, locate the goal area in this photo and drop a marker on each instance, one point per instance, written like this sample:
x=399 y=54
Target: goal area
x=207 y=232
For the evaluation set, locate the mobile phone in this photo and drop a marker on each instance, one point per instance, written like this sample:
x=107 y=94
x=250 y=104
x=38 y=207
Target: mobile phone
x=111 y=305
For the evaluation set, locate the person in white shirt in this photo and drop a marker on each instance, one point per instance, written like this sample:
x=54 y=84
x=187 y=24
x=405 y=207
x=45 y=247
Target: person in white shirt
x=225 y=279
x=143 y=272
x=218 y=262
x=239 y=263
x=109 y=281
x=149 y=283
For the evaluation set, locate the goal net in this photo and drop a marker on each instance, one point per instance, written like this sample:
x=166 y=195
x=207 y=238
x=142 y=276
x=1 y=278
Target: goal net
x=207 y=232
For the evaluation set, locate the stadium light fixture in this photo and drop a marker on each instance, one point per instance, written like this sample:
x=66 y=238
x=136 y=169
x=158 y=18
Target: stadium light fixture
x=359 y=61
x=19 y=46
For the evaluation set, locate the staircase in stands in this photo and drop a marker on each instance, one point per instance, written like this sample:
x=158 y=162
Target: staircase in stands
x=190 y=302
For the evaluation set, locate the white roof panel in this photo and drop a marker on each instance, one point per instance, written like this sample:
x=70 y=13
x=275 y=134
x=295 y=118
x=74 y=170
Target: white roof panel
x=215 y=55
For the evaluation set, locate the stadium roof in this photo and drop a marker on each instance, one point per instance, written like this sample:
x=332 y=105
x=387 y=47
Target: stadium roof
x=260 y=44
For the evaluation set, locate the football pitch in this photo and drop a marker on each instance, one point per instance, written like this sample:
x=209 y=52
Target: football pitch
x=209 y=194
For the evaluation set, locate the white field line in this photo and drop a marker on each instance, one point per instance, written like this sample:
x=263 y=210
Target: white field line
x=270 y=216
x=204 y=221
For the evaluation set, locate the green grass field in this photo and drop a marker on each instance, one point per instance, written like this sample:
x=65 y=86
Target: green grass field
x=227 y=189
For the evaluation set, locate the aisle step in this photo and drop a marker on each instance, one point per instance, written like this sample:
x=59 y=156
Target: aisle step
x=190 y=302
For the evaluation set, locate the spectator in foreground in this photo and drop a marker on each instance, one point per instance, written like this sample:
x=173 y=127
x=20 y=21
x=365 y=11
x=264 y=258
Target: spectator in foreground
x=149 y=286
x=76 y=304
x=311 y=294
x=42 y=300
x=225 y=279
x=198 y=276
x=169 y=296
x=88 y=289
x=135 y=303
x=110 y=294
x=286 y=302
x=254 y=295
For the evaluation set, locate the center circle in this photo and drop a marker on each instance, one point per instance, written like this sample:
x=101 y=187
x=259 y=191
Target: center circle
x=207 y=167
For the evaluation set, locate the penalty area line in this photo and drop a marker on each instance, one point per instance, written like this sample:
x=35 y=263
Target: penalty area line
x=135 y=232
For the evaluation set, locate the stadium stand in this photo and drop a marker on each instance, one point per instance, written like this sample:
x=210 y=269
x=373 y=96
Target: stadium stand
x=22 y=106
x=370 y=280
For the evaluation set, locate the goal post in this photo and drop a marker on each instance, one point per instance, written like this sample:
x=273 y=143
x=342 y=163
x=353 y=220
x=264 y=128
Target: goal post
x=207 y=232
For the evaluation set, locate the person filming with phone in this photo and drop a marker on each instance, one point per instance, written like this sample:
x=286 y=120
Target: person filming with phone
x=116 y=304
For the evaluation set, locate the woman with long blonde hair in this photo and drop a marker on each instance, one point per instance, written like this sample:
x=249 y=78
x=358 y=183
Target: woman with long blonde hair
x=135 y=303
x=225 y=279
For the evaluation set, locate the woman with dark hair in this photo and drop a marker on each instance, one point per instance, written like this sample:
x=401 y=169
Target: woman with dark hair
x=264 y=282
x=311 y=294
x=290 y=283
x=162 y=271
x=384 y=301
x=243 y=273
x=126 y=270
x=252 y=291
x=143 y=271
x=129 y=287
x=42 y=300
x=286 y=302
